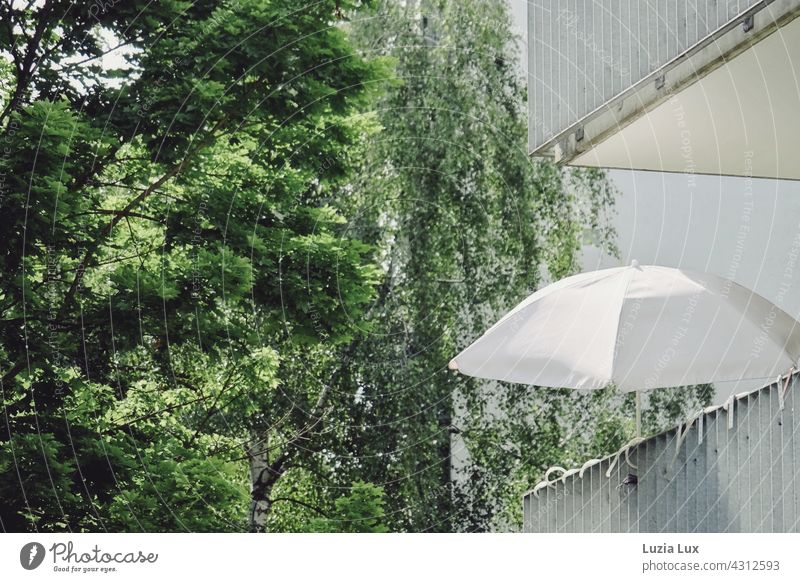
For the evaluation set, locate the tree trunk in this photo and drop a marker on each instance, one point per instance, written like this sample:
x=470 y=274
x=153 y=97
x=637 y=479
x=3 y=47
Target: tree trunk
x=261 y=482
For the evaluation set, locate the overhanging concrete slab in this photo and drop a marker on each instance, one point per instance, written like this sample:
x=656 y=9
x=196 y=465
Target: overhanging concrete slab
x=721 y=98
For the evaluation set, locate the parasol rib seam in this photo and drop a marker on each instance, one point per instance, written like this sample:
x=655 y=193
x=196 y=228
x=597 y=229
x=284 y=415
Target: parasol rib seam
x=619 y=321
x=507 y=316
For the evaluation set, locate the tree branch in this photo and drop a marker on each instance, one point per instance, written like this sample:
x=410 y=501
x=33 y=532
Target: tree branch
x=24 y=72
x=212 y=409
x=113 y=212
x=92 y=250
x=70 y=66
x=298 y=502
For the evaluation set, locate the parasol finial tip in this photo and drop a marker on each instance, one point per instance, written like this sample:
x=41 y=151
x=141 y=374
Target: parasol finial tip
x=452 y=365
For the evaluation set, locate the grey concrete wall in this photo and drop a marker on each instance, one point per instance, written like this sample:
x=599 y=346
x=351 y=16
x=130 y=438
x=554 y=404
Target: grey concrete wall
x=738 y=479
x=581 y=54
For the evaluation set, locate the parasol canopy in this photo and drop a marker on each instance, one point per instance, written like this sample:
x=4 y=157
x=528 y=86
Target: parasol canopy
x=638 y=327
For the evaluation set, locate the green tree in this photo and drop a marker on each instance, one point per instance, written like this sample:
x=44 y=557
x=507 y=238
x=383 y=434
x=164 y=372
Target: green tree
x=361 y=511
x=174 y=281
